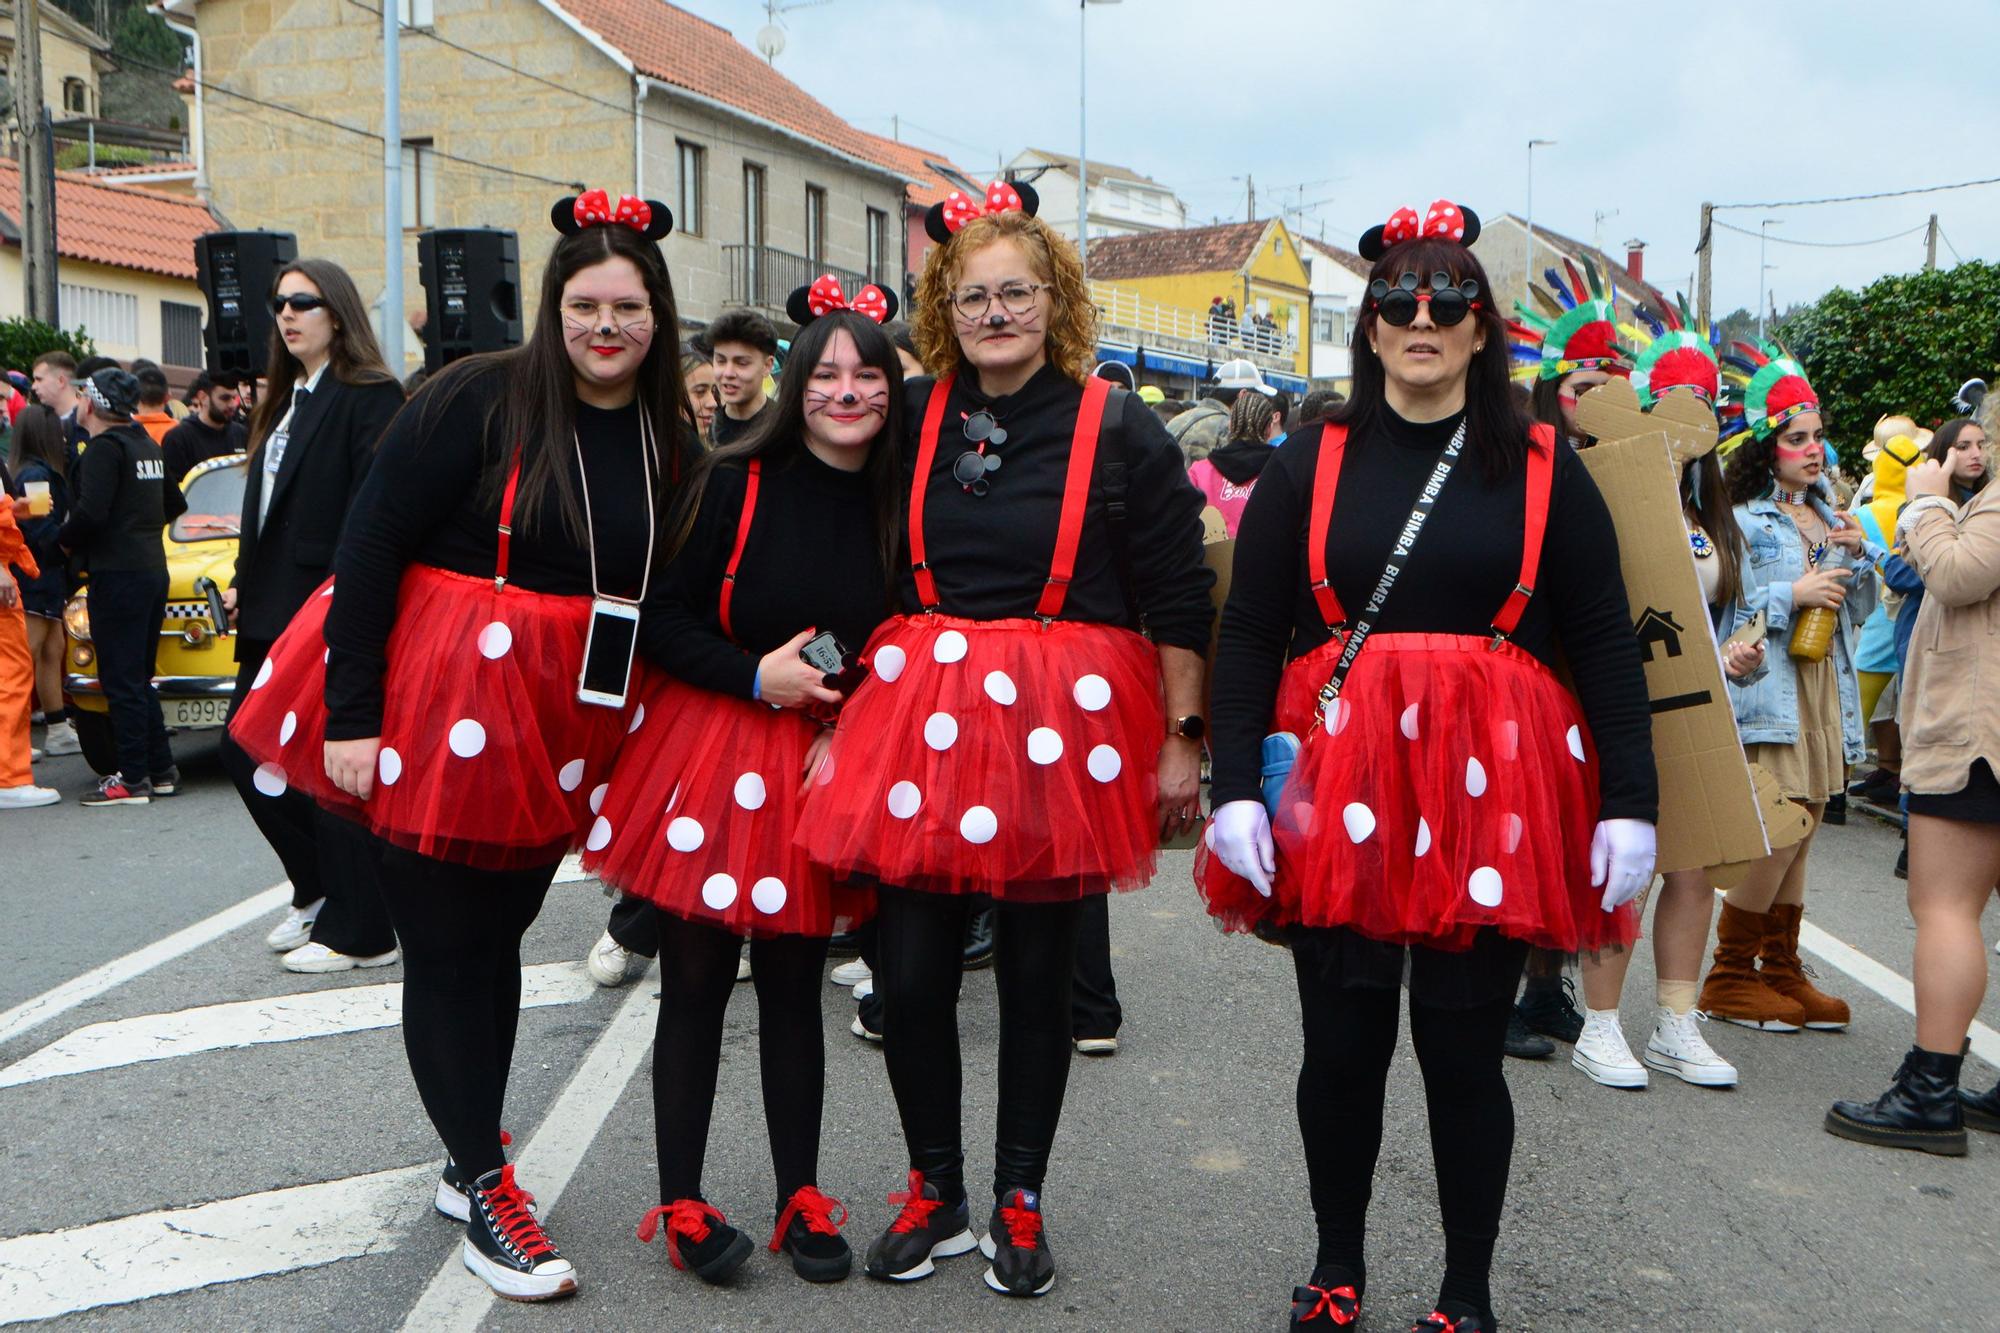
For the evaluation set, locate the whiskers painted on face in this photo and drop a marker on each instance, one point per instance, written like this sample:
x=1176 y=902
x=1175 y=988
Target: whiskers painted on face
x=874 y=401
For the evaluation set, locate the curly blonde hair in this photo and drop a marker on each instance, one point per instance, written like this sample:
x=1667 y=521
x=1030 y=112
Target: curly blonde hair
x=1072 y=337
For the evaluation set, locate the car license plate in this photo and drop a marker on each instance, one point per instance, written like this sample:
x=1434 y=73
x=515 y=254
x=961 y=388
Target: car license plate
x=194 y=713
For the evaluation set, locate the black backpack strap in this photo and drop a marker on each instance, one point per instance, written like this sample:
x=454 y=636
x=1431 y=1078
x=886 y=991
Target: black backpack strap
x=1114 y=468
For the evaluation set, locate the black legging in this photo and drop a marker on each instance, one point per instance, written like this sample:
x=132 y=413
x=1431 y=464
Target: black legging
x=920 y=940
x=697 y=976
x=1350 y=1036
x=461 y=932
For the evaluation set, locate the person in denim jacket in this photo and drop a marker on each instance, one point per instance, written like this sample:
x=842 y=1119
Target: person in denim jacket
x=1801 y=722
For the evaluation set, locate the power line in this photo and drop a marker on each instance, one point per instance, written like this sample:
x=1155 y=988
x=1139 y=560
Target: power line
x=1956 y=257
x=1822 y=245
x=1855 y=198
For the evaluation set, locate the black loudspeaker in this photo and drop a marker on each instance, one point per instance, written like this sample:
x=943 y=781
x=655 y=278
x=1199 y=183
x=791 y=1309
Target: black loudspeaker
x=236 y=270
x=472 y=292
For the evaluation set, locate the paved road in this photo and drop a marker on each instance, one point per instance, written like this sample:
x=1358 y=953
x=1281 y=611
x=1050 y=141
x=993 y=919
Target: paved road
x=294 y=1176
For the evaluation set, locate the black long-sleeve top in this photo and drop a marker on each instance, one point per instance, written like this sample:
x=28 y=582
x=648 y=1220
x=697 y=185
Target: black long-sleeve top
x=813 y=561
x=121 y=501
x=1454 y=582
x=990 y=554
x=432 y=497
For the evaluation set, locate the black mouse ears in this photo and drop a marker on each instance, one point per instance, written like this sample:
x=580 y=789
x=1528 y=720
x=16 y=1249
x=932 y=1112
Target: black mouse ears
x=959 y=208
x=825 y=296
x=594 y=208
x=1444 y=220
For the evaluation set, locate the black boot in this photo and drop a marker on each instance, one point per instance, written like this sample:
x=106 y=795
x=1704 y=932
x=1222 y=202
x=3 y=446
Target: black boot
x=1836 y=809
x=978 y=938
x=1982 y=1109
x=1920 y=1110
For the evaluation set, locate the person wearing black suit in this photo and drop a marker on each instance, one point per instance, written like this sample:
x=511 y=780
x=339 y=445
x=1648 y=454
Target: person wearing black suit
x=312 y=439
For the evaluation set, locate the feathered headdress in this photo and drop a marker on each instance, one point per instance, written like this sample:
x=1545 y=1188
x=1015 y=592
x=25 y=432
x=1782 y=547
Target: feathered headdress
x=1766 y=388
x=1574 y=329
x=1671 y=354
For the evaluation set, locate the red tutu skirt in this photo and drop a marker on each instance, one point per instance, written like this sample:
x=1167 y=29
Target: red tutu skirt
x=1004 y=757
x=700 y=811
x=488 y=759
x=1453 y=788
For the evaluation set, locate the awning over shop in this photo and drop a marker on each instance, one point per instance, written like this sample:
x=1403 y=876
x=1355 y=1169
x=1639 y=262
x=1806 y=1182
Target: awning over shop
x=1289 y=383
x=1118 y=352
x=1176 y=365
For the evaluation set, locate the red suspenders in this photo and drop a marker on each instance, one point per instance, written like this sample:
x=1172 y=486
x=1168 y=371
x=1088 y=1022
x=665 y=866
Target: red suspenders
x=506 y=522
x=743 y=522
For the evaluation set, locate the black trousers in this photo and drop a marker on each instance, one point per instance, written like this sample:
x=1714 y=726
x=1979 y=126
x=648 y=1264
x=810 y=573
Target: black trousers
x=127 y=608
x=697 y=977
x=635 y=924
x=461 y=932
x=920 y=943
x=324 y=855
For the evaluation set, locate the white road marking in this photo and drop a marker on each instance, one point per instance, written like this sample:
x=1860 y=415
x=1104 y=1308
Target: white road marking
x=179 y=1249
x=222 y=1027
x=1887 y=983
x=61 y=999
x=455 y=1299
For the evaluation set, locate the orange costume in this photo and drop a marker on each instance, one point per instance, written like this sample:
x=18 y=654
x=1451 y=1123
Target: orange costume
x=17 y=668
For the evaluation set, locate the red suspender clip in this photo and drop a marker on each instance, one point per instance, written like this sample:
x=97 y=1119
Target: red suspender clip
x=506 y=525
x=743 y=523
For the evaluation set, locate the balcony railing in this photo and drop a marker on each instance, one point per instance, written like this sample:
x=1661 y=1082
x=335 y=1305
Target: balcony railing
x=1129 y=310
x=762 y=276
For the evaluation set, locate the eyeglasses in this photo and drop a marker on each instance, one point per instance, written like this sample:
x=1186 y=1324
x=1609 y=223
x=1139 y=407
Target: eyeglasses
x=1450 y=302
x=1017 y=298
x=298 y=301
x=969 y=469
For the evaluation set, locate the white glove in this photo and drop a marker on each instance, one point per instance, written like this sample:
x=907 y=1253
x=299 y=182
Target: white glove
x=1621 y=859
x=1240 y=834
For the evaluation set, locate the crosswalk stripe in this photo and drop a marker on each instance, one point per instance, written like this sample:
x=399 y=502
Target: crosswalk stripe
x=223 y=1027
x=1888 y=984
x=180 y=1249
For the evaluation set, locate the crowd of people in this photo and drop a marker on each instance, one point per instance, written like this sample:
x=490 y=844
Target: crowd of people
x=897 y=641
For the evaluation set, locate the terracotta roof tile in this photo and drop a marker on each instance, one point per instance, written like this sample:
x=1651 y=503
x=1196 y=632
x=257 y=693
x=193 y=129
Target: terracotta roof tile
x=677 y=48
x=127 y=226
x=1219 y=249
x=926 y=186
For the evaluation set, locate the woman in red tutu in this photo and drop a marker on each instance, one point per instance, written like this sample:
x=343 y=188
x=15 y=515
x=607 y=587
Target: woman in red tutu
x=784 y=551
x=439 y=689
x=1013 y=739
x=1452 y=804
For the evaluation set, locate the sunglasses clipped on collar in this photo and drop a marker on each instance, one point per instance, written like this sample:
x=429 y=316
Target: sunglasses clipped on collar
x=298 y=301
x=1450 y=302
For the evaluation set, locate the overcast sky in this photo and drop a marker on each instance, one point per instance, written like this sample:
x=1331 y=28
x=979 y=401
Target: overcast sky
x=1352 y=110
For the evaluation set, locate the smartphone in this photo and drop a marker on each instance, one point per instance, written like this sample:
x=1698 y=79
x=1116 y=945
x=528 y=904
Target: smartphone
x=1751 y=631
x=824 y=653
x=607 y=653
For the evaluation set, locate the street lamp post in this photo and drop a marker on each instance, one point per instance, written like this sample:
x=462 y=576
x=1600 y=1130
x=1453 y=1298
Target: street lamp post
x=1764 y=270
x=1528 y=255
x=1082 y=146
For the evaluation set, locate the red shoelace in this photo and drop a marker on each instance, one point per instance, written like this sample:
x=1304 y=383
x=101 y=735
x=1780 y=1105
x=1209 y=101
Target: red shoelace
x=816 y=1210
x=685 y=1217
x=508 y=1203
x=1024 y=1226
x=917 y=1209
x=1339 y=1304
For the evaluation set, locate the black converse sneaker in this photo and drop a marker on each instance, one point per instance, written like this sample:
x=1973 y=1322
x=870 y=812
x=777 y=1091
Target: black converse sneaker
x=699 y=1239
x=926 y=1229
x=1019 y=1247
x=809 y=1230
x=451 y=1199
x=1331 y=1300
x=506 y=1247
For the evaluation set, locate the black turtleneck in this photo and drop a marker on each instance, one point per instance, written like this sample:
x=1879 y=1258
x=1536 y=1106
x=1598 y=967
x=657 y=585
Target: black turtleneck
x=990 y=554
x=1455 y=582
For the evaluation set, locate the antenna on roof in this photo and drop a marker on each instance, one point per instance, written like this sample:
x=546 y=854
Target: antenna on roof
x=771 y=37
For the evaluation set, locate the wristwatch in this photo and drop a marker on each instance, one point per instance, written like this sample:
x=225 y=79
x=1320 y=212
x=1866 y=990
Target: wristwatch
x=1191 y=727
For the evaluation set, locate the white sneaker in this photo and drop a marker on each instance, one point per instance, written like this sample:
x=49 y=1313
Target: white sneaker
x=850 y=973
x=1601 y=1052
x=609 y=961
x=743 y=965
x=61 y=739
x=864 y=988
x=295 y=929
x=318 y=958
x=1678 y=1048
x=27 y=796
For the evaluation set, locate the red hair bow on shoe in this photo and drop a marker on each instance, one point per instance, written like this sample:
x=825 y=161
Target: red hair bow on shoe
x=593 y=208
x=1444 y=221
x=825 y=296
x=959 y=208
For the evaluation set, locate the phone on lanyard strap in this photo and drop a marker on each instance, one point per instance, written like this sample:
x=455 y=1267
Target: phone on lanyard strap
x=608 y=652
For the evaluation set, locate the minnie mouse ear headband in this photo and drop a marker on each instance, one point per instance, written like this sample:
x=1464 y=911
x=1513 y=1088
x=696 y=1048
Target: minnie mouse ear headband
x=825 y=296
x=1444 y=220
x=594 y=208
x=959 y=208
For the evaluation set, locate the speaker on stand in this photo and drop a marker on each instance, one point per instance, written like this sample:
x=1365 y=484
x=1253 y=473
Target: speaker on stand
x=472 y=292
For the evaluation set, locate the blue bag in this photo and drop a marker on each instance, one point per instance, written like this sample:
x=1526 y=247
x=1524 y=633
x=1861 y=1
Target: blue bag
x=1281 y=751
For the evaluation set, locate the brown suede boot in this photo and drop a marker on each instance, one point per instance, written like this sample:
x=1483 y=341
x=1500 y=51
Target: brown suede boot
x=1734 y=991
x=1785 y=974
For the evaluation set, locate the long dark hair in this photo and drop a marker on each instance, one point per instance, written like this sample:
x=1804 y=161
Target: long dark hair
x=1747 y=475
x=1545 y=405
x=537 y=400
x=1704 y=496
x=779 y=437
x=1940 y=449
x=38 y=438
x=353 y=358
x=1496 y=427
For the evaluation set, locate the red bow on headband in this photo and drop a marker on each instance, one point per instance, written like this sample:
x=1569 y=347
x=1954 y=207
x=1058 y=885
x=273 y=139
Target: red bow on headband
x=594 y=209
x=1001 y=197
x=1445 y=220
x=825 y=295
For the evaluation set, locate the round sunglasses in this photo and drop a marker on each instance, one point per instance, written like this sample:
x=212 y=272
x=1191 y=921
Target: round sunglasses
x=1450 y=302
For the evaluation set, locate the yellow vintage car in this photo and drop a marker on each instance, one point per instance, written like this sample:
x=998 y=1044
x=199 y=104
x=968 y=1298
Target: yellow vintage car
x=195 y=671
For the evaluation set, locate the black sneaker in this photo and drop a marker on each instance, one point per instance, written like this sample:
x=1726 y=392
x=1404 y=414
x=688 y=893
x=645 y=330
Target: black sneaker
x=1551 y=1011
x=506 y=1248
x=809 y=1230
x=1018 y=1246
x=978 y=939
x=167 y=783
x=926 y=1229
x=114 y=790
x=867 y=1023
x=1879 y=788
x=451 y=1198
x=698 y=1239
x=1523 y=1044
x=1331 y=1300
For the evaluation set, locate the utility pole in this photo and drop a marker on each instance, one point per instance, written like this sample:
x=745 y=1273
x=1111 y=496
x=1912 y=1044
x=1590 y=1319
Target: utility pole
x=1250 y=198
x=1704 y=251
x=38 y=180
x=1930 y=245
x=393 y=318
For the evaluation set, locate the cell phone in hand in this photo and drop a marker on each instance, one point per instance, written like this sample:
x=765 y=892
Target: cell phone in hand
x=839 y=669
